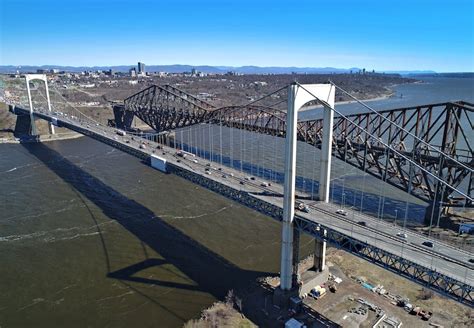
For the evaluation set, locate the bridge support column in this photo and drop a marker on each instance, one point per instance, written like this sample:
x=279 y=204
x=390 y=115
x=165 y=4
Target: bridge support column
x=298 y=96
x=326 y=151
x=320 y=253
x=50 y=124
x=296 y=257
x=289 y=192
x=33 y=130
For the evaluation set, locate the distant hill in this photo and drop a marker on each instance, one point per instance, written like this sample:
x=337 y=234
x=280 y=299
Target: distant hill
x=210 y=69
x=186 y=68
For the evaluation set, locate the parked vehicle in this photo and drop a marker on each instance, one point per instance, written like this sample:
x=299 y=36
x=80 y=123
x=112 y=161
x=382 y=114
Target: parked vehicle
x=362 y=223
x=341 y=212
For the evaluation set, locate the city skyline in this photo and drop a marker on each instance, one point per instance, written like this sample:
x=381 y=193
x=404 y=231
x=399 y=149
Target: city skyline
x=392 y=36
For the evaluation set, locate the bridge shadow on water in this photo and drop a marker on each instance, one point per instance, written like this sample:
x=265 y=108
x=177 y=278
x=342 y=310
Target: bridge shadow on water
x=211 y=272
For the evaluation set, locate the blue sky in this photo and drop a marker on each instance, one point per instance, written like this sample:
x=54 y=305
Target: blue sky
x=376 y=34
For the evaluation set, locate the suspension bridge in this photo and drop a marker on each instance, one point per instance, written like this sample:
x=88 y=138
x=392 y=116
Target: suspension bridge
x=423 y=151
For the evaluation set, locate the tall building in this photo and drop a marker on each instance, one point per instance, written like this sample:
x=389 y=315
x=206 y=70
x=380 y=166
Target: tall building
x=141 y=68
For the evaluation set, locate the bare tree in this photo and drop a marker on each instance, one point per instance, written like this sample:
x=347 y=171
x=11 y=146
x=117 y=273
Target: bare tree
x=229 y=299
x=238 y=304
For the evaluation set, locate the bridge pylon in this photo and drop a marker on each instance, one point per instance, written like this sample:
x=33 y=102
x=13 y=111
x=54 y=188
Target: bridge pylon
x=40 y=77
x=298 y=96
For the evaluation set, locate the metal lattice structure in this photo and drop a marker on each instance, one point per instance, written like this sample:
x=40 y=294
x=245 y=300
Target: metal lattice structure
x=436 y=137
x=395 y=263
x=447 y=129
x=166 y=108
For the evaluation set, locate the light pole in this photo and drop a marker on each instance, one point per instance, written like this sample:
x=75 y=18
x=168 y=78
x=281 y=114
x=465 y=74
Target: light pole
x=396 y=216
x=343 y=198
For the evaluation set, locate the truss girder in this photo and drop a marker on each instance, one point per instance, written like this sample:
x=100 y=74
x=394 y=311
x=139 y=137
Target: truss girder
x=166 y=108
x=429 y=277
x=446 y=127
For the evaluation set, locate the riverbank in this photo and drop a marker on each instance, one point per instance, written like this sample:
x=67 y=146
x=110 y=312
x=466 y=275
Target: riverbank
x=345 y=102
x=43 y=138
x=367 y=97
x=222 y=314
x=335 y=309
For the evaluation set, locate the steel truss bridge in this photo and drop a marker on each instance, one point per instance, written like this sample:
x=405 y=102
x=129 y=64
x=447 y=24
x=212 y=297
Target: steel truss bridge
x=435 y=136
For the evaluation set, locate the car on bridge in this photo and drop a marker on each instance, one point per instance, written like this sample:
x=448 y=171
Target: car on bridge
x=302 y=207
x=341 y=212
x=428 y=244
x=402 y=235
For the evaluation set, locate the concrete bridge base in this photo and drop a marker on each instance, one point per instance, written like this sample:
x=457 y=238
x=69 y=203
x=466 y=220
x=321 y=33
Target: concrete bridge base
x=307 y=273
x=23 y=129
x=310 y=279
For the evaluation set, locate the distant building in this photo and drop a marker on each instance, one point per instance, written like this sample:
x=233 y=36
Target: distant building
x=141 y=68
x=133 y=72
x=88 y=85
x=41 y=71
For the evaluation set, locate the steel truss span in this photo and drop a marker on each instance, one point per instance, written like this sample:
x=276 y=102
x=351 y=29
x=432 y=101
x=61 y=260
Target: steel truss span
x=413 y=271
x=376 y=143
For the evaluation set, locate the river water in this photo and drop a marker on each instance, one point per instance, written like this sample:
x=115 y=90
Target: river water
x=90 y=236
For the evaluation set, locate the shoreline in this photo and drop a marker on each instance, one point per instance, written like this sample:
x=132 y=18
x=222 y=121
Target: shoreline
x=378 y=98
x=44 y=138
x=382 y=97
x=386 y=96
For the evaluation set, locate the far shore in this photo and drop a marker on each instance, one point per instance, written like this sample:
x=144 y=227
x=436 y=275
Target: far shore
x=384 y=97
